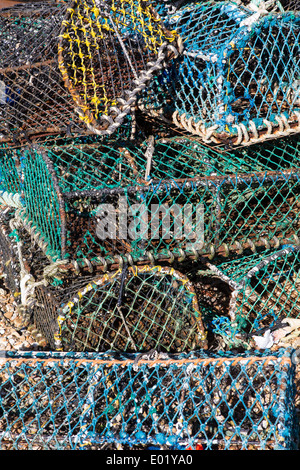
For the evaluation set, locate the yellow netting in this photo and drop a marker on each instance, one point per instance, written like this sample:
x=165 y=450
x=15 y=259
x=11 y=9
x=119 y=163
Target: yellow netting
x=106 y=51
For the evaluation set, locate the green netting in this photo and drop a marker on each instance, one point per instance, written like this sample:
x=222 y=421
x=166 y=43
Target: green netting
x=9 y=176
x=172 y=197
x=238 y=78
x=265 y=291
x=56 y=401
x=77 y=66
x=133 y=309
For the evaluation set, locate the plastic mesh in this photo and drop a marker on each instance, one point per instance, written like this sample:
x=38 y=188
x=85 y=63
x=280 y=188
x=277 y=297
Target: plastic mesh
x=55 y=401
x=238 y=80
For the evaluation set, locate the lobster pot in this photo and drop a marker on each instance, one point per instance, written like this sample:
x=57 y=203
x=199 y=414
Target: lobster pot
x=132 y=309
x=238 y=79
x=61 y=401
x=164 y=199
x=60 y=78
x=26 y=271
x=33 y=97
x=265 y=289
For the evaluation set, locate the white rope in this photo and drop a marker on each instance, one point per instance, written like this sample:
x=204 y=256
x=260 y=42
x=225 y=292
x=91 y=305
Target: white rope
x=260 y=8
x=11 y=199
x=27 y=288
x=27 y=281
x=243 y=135
x=149 y=155
x=53 y=269
x=263 y=6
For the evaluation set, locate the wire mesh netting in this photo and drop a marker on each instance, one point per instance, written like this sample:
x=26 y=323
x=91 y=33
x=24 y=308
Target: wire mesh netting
x=79 y=66
x=33 y=98
x=159 y=198
x=64 y=401
x=238 y=78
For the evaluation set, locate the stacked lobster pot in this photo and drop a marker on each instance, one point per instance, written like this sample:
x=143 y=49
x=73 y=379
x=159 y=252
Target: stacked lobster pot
x=149 y=216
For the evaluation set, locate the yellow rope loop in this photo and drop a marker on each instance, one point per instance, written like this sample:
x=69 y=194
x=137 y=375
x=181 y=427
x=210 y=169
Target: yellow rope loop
x=104 y=53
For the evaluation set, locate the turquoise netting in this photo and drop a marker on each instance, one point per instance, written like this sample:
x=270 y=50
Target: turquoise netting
x=67 y=401
x=160 y=198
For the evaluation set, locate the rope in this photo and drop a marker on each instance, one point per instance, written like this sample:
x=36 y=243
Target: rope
x=11 y=199
x=244 y=137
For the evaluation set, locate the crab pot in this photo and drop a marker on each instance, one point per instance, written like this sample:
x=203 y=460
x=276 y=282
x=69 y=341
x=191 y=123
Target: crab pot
x=133 y=309
x=33 y=97
x=165 y=199
x=60 y=401
x=27 y=271
x=59 y=78
x=237 y=81
x=264 y=288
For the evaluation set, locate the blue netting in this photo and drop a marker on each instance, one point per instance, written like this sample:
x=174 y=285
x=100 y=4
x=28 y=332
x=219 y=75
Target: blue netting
x=238 y=78
x=69 y=401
